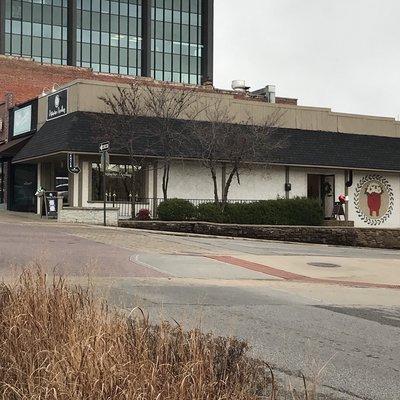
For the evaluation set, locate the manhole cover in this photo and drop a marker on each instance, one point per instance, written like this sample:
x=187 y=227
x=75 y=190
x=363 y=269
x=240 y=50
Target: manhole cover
x=324 y=265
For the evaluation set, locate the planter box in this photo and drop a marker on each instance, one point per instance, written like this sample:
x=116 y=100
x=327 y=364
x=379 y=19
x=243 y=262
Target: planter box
x=88 y=215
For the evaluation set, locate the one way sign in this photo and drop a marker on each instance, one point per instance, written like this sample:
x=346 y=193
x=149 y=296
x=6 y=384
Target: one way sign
x=105 y=146
x=72 y=167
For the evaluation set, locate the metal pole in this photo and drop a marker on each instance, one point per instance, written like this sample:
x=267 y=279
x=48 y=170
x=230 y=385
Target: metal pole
x=71 y=32
x=103 y=156
x=146 y=38
x=207 y=39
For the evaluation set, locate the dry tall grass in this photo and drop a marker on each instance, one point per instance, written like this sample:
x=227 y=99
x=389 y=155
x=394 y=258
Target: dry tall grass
x=57 y=342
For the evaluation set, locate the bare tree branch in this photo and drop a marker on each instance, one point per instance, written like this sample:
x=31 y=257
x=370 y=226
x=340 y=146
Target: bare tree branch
x=235 y=146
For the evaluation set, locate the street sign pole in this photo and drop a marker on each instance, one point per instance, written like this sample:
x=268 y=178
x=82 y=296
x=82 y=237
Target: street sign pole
x=103 y=156
x=105 y=159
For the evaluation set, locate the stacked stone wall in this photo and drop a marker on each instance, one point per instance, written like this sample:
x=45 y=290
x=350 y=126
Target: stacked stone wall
x=343 y=236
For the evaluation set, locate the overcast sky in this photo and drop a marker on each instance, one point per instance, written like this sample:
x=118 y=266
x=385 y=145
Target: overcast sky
x=341 y=54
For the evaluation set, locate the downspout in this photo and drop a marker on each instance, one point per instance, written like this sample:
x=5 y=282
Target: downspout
x=348 y=183
x=288 y=186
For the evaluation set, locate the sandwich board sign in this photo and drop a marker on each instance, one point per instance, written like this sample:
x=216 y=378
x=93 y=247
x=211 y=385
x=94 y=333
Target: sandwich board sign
x=51 y=204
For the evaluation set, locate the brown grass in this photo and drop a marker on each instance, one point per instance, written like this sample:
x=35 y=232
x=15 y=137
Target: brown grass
x=58 y=342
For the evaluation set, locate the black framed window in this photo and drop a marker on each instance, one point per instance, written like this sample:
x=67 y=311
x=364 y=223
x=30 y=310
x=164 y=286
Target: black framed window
x=23 y=119
x=109 y=37
x=122 y=182
x=37 y=29
x=61 y=181
x=176 y=40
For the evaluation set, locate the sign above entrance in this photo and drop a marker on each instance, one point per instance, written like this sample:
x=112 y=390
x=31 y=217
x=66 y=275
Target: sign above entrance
x=72 y=167
x=57 y=105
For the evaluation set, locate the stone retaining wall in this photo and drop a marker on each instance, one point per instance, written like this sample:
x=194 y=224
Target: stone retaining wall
x=86 y=215
x=344 y=236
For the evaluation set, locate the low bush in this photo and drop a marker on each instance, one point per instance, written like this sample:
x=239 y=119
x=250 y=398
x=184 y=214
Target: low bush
x=297 y=211
x=210 y=212
x=143 y=215
x=59 y=342
x=176 y=210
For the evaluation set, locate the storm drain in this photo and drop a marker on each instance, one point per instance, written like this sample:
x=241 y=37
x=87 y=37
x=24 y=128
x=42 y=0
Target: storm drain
x=324 y=265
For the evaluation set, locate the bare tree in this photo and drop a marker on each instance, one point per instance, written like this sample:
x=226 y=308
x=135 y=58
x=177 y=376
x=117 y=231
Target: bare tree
x=166 y=105
x=233 y=147
x=124 y=134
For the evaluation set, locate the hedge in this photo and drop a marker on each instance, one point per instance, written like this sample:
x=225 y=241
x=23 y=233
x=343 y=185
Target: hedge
x=296 y=211
x=176 y=210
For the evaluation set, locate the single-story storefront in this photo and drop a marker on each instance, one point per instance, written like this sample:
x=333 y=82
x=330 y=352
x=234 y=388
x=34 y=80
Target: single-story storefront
x=315 y=164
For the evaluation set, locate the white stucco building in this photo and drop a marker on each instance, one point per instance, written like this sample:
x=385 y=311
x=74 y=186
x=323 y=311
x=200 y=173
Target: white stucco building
x=327 y=154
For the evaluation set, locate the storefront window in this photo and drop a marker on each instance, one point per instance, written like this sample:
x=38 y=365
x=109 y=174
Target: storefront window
x=122 y=182
x=61 y=182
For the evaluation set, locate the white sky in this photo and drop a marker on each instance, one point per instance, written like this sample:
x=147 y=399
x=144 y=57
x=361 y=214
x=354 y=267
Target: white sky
x=341 y=54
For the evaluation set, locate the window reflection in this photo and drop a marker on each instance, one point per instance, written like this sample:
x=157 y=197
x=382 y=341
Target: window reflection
x=122 y=182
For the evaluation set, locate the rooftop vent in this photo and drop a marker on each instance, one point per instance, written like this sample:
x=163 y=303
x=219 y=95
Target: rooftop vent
x=240 y=86
x=269 y=92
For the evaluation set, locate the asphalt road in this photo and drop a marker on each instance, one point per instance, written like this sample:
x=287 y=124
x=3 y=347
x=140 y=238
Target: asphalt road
x=351 y=333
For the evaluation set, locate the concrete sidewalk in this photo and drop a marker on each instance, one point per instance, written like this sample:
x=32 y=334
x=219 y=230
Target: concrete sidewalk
x=335 y=270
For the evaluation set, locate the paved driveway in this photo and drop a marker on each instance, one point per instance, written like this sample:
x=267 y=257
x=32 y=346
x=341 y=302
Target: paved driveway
x=344 y=307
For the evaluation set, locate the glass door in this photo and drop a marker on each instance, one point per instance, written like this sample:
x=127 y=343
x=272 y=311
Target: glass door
x=24 y=186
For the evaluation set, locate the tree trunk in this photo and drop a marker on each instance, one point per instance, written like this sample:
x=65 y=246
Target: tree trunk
x=133 y=196
x=215 y=182
x=165 y=180
x=227 y=186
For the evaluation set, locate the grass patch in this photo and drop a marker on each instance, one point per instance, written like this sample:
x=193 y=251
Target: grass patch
x=58 y=342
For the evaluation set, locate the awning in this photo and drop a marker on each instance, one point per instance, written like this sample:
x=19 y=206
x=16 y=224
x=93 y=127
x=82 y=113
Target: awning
x=11 y=148
x=77 y=133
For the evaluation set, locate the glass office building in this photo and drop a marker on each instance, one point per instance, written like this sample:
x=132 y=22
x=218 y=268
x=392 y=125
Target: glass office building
x=169 y=40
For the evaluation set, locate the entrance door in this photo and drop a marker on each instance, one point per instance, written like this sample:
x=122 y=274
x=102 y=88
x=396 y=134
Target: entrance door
x=322 y=188
x=328 y=194
x=24 y=182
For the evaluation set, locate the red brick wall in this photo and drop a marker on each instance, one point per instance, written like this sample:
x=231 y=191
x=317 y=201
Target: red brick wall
x=26 y=79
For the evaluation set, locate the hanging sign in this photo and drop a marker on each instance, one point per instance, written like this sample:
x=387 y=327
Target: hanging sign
x=57 y=105
x=71 y=161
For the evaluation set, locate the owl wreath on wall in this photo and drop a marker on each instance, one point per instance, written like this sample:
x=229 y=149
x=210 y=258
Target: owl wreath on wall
x=374 y=200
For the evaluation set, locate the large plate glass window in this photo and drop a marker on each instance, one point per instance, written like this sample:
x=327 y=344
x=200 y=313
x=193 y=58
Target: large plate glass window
x=122 y=183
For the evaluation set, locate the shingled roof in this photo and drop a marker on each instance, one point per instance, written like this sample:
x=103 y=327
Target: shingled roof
x=76 y=133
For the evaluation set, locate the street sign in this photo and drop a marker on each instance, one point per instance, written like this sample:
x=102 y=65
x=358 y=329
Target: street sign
x=72 y=167
x=105 y=146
